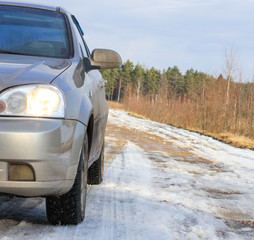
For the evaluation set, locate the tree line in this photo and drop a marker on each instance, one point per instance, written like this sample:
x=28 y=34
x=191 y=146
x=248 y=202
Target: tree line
x=194 y=100
x=136 y=80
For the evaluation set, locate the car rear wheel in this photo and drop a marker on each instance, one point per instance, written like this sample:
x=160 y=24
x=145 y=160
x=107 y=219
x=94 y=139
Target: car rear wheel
x=69 y=209
x=95 y=172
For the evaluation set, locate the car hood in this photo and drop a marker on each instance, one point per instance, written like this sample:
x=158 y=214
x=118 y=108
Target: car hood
x=18 y=70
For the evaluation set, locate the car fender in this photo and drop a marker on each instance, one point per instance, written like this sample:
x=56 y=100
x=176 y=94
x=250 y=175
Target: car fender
x=75 y=86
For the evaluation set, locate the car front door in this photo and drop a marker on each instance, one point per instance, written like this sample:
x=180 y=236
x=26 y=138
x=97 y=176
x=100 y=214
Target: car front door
x=95 y=85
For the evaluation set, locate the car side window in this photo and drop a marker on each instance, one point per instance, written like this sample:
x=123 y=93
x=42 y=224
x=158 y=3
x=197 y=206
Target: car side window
x=82 y=43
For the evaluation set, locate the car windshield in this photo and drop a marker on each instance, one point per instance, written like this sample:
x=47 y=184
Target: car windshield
x=34 y=32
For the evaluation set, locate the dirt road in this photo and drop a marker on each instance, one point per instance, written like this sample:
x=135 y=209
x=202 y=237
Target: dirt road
x=160 y=183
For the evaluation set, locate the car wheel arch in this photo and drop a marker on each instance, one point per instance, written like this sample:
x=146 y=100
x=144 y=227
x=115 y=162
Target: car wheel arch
x=90 y=129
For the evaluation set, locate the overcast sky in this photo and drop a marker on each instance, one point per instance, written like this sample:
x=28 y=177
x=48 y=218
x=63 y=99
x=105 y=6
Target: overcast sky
x=163 y=33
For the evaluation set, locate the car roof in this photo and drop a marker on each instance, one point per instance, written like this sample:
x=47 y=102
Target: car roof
x=32 y=5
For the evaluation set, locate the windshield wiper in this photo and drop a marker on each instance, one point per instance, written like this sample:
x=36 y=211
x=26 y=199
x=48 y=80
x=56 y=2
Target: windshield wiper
x=10 y=52
x=6 y=51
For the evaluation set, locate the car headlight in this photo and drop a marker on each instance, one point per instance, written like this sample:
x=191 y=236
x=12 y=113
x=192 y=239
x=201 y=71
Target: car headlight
x=32 y=100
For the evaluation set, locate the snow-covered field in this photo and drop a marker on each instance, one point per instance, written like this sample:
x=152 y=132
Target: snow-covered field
x=160 y=183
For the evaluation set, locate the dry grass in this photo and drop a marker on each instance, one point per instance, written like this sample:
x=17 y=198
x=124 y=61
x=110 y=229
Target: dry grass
x=115 y=105
x=138 y=116
x=237 y=141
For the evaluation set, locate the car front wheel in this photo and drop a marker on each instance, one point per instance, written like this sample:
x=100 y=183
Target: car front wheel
x=69 y=209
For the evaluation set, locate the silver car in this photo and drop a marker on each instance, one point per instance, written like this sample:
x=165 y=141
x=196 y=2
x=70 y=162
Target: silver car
x=53 y=111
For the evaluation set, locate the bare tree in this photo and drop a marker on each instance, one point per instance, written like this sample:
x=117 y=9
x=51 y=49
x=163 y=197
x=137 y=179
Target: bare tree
x=231 y=60
x=119 y=89
x=138 y=87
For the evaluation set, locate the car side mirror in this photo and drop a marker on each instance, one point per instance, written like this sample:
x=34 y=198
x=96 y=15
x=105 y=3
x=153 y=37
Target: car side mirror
x=104 y=59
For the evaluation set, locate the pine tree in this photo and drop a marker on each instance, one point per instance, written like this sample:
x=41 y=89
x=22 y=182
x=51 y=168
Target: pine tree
x=125 y=78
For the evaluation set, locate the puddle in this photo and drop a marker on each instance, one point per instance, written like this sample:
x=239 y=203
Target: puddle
x=236 y=220
x=233 y=215
x=218 y=191
x=239 y=223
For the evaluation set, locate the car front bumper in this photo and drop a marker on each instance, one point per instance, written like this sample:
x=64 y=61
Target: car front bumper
x=50 y=148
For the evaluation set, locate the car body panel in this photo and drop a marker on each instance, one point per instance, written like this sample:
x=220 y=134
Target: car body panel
x=20 y=69
x=35 y=189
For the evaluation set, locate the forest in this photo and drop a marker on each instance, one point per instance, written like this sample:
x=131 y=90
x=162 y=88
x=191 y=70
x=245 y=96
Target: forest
x=221 y=107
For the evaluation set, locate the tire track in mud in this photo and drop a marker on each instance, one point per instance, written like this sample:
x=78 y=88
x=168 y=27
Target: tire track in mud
x=102 y=212
x=113 y=203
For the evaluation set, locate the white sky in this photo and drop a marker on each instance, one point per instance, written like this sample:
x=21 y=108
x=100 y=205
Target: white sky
x=163 y=33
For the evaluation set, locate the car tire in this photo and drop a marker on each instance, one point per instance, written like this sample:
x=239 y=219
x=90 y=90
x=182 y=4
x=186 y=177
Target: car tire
x=69 y=209
x=96 y=170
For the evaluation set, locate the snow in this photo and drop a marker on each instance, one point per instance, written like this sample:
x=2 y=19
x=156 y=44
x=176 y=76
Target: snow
x=204 y=192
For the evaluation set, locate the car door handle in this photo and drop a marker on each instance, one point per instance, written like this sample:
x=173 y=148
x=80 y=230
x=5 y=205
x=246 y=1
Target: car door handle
x=102 y=83
x=90 y=93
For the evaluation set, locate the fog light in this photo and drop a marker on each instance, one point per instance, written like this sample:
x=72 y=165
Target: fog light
x=21 y=173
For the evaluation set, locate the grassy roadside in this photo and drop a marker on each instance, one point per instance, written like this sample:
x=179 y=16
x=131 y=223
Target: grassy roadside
x=229 y=138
